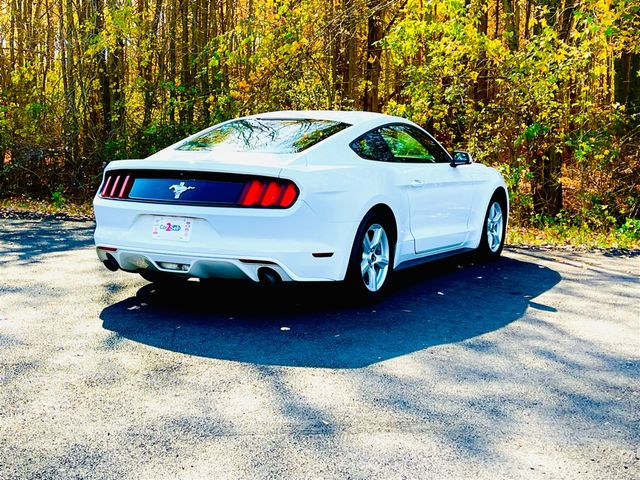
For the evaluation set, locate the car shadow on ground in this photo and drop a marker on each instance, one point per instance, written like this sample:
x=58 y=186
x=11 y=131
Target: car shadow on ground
x=313 y=326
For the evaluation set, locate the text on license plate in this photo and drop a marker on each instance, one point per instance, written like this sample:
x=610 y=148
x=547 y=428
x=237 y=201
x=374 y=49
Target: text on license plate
x=172 y=228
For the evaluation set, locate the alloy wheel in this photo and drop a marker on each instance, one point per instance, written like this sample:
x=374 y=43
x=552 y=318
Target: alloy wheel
x=374 y=265
x=495 y=222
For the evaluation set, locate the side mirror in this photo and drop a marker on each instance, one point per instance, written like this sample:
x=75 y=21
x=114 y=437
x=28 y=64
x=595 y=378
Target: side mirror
x=461 y=158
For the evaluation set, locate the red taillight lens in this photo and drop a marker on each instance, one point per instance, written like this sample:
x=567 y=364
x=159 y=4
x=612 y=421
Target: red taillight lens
x=105 y=189
x=125 y=184
x=289 y=196
x=116 y=186
x=273 y=193
x=251 y=193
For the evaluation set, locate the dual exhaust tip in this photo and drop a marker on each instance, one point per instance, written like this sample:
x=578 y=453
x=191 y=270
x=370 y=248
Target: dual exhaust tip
x=267 y=276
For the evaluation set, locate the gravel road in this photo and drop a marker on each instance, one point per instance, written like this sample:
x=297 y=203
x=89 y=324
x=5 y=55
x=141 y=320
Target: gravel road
x=525 y=368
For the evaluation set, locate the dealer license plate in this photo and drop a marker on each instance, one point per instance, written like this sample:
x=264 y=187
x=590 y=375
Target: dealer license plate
x=172 y=228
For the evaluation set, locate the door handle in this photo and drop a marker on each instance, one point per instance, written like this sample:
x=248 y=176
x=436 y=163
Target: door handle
x=417 y=183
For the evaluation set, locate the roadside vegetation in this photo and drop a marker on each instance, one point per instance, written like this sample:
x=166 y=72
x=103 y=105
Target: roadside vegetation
x=548 y=91
x=23 y=206
x=555 y=234
x=559 y=235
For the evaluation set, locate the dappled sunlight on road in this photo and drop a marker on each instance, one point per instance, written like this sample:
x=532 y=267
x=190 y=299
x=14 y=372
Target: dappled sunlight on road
x=517 y=369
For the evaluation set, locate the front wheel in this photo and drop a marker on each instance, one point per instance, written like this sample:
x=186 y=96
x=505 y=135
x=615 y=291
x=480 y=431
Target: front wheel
x=371 y=262
x=494 y=229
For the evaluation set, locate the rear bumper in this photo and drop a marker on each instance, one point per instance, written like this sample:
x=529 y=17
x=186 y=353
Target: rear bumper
x=195 y=266
x=226 y=242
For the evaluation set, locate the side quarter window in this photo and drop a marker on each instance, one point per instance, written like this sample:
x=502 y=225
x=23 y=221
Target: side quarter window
x=371 y=146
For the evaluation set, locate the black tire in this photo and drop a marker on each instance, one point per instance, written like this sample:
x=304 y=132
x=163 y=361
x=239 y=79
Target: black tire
x=371 y=285
x=490 y=245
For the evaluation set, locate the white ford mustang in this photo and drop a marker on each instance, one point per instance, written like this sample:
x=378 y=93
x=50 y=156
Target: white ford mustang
x=298 y=196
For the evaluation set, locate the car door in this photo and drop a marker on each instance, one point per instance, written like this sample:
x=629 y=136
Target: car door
x=439 y=195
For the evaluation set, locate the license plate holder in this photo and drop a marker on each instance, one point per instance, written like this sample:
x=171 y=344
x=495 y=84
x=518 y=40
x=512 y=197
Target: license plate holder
x=172 y=228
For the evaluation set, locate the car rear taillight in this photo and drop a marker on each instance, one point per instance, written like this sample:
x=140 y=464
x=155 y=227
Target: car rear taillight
x=116 y=185
x=198 y=188
x=268 y=193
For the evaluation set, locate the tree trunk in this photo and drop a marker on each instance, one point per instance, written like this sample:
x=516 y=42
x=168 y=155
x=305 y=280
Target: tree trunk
x=627 y=81
x=173 y=14
x=373 y=57
x=346 y=61
x=103 y=75
x=481 y=87
x=547 y=186
x=512 y=23
x=71 y=125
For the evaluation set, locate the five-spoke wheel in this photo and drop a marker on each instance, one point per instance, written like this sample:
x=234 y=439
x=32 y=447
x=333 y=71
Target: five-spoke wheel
x=371 y=260
x=375 y=257
x=492 y=240
x=494 y=227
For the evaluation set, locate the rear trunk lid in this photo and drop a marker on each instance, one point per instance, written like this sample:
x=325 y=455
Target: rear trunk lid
x=200 y=178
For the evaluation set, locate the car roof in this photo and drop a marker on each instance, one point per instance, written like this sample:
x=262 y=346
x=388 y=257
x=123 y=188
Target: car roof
x=351 y=117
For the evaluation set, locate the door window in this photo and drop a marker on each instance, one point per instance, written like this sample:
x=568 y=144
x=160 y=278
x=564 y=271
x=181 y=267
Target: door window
x=407 y=144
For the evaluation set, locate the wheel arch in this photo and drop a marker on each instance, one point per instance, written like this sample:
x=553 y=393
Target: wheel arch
x=501 y=194
x=496 y=189
x=384 y=211
x=378 y=213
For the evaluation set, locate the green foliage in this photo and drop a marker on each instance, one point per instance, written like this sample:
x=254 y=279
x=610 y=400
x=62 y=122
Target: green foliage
x=57 y=198
x=524 y=109
x=548 y=92
x=631 y=228
x=515 y=176
x=578 y=236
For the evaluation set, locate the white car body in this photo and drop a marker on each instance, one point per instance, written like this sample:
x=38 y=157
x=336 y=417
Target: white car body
x=438 y=209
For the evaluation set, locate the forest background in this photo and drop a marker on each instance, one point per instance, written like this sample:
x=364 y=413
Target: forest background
x=548 y=91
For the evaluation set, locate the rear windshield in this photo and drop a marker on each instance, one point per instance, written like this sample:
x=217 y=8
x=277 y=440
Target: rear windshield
x=265 y=135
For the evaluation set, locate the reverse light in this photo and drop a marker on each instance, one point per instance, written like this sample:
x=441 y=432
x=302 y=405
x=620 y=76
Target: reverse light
x=174 y=266
x=271 y=193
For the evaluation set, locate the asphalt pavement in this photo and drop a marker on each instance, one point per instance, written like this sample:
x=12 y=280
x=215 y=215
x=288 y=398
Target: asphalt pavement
x=525 y=368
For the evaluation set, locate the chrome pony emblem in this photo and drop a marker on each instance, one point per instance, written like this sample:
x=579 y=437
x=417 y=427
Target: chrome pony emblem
x=180 y=189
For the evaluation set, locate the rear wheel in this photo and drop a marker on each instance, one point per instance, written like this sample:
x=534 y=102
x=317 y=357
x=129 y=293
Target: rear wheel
x=494 y=229
x=371 y=262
